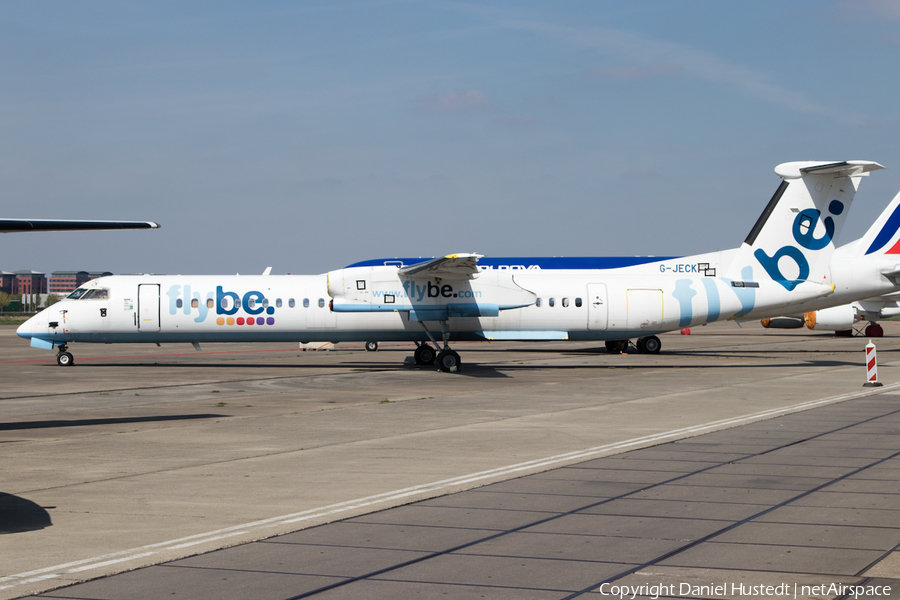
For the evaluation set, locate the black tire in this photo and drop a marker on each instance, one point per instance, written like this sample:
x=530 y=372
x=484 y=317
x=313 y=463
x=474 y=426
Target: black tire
x=425 y=355
x=640 y=346
x=371 y=346
x=65 y=359
x=651 y=345
x=617 y=346
x=448 y=361
x=874 y=330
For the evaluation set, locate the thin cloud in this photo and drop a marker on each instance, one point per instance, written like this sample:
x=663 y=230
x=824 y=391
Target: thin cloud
x=646 y=52
x=857 y=9
x=634 y=72
x=453 y=102
x=526 y=120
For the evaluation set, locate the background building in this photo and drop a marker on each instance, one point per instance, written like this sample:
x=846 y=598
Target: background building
x=30 y=282
x=7 y=282
x=64 y=282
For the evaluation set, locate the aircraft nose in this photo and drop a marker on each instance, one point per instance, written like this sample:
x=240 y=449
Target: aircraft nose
x=27 y=329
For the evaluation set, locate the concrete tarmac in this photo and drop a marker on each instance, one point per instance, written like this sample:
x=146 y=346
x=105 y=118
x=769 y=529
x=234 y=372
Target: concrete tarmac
x=143 y=455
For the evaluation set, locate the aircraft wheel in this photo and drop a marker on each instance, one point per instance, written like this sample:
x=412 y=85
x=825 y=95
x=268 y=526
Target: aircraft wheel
x=651 y=345
x=65 y=359
x=874 y=330
x=371 y=346
x=448 y=361
x=617 y=346
x=640 y=346
x=424 y=355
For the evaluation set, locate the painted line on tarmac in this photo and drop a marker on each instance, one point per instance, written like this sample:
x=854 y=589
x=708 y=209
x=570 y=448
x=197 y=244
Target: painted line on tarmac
x=258 y=527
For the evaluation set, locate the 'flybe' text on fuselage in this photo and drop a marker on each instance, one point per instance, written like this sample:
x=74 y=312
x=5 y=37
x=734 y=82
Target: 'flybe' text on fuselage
x=228 y=303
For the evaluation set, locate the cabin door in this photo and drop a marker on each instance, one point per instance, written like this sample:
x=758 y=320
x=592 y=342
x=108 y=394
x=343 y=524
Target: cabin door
x=148 y=307
x=598 y=307
x=645 y=310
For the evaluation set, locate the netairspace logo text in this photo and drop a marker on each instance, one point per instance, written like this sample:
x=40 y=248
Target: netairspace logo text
x=784 y=590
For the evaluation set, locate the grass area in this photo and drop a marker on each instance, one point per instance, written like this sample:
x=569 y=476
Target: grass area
x=13 y=319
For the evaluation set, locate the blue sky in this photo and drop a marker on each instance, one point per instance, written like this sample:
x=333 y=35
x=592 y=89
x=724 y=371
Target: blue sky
x=310 y=135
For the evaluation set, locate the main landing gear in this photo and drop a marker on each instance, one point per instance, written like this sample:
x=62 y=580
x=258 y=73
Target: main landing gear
x=447 y=360
x=371 y=346
x=64 y=358
x=874 y=330
x=644 y=345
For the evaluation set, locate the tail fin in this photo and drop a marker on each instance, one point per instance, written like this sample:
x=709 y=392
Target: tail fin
x=883 y=237
x=792 y=241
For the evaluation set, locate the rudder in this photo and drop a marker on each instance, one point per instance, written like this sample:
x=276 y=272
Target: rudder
x=793 y=240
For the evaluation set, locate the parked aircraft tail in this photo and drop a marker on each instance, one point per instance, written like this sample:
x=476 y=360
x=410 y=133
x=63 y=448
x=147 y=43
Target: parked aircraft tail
x=883 y=237
x=814 y=197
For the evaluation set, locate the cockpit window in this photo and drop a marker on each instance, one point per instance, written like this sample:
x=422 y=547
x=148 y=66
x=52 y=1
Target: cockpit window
x=96 y=294
x=89 y=294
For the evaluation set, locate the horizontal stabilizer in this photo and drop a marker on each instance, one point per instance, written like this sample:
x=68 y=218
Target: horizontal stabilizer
x=847 y=168
x=452 y=265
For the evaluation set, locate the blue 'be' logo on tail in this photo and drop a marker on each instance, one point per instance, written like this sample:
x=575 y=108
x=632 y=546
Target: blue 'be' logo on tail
x=803 y=228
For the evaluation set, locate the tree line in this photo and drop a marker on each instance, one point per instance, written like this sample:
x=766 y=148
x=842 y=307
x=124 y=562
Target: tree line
x=41 y=301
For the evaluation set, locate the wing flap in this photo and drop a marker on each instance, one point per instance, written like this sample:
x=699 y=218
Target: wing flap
x=453 y=265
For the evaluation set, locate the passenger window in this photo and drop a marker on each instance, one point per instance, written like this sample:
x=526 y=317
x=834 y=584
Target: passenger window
x=195 y=303
x=278 y=303
x=537 y=302
x=306 y=303
x=210 y=303
x=578 y=302
x=551 y=302
x=291 y=303
x=565 y=302
x=251 y=303
x=224 y=303
x=321 y=303
x=179 y=303
x=265 y=303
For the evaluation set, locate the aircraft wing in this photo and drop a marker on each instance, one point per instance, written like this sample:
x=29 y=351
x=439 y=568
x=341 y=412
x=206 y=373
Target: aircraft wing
x=13 y=225
x=452 y=265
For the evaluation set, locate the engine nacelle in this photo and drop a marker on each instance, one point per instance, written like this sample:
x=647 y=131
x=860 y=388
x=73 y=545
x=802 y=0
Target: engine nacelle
x=836 y=318
x=782 y=323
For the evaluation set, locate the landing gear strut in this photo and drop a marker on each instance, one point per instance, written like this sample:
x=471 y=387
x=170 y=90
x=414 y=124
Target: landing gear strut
x=64 y=358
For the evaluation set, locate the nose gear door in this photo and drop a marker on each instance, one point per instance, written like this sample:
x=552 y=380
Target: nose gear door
x=148 y=307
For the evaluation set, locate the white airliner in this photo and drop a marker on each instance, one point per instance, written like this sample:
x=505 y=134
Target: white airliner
x=787 y=265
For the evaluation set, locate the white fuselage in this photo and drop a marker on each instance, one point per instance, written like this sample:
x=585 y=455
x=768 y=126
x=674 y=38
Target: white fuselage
x=612 y=304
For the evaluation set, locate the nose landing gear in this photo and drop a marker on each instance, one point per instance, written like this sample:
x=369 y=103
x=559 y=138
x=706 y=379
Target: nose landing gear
x=64 y=358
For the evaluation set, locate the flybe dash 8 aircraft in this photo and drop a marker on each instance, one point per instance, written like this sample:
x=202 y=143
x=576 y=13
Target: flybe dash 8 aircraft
x=786 y=265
